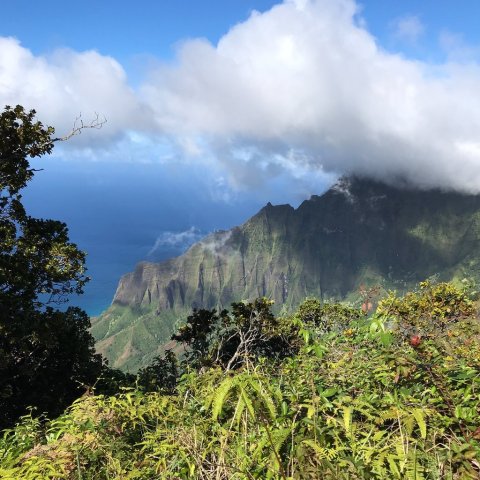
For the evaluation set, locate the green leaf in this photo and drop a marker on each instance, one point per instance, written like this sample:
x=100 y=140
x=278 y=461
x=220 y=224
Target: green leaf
x=220 y=395
x=329 y=392
x=393 y=466
x=419 y=417
x=247 y=401
x=347 y=418
x=320 y=451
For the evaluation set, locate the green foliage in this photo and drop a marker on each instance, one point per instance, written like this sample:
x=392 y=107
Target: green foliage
x=112 y=381
x=197 y=335
x=247 y=333
x=326 y=317
x=431 y=310
x=35 y=255
x=46 y=356
x=161 y=375
x=21 y=138
x=347 y=405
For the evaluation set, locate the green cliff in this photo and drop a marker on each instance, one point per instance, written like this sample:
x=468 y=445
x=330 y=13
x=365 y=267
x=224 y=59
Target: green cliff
x=358 y=232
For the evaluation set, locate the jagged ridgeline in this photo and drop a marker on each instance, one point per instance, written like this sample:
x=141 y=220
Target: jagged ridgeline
x=358 y=232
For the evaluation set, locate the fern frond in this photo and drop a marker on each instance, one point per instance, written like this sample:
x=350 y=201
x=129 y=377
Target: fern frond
x=322 y=452
x=420 y=418
x=248 y=401
x=220 y=395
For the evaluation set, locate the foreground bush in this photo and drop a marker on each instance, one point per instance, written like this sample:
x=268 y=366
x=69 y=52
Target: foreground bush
x=384 y=397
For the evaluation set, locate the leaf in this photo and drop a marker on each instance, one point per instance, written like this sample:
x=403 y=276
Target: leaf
x=378 y=435
x=323 y=453
x=279 y=437
x=238 y=410
x=386 y=339
x=347 y=418
x=318 y=350
x=247 y=401
x=329 y=392
x=393 y=466
x=418 y=414
x=220 y=395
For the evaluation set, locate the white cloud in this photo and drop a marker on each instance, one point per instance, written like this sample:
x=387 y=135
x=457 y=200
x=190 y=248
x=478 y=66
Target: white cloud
x=66 y=83
x=409 y=28
x=177 y=240
x=304 y=86
x=301 y=88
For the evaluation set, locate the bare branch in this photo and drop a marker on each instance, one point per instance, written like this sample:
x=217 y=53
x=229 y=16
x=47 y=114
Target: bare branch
x=79 y=125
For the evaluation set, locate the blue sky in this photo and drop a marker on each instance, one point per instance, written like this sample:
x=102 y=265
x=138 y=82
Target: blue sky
x=128 y=30
x=213 y=110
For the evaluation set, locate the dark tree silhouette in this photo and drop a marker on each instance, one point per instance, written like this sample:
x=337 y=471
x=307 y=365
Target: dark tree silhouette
x=46 y=355
x=231 y=339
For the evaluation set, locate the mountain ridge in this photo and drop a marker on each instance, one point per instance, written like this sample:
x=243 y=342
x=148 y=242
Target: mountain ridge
x=358 y=232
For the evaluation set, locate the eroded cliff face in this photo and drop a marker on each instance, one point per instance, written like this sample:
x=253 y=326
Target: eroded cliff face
x=359 y=232
x=245 y=262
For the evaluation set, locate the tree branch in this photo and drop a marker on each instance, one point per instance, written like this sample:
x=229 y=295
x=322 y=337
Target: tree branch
x=79 y=125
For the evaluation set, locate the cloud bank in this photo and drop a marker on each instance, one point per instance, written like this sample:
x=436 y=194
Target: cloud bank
x=64 y=84
x=301 y=89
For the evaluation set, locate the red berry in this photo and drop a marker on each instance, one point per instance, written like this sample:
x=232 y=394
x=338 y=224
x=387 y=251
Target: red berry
x=415 y=340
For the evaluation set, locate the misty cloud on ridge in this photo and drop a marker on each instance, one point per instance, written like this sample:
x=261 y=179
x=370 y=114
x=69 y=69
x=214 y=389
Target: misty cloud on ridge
x=176 y=240
x=303 y=87
x=306 y=80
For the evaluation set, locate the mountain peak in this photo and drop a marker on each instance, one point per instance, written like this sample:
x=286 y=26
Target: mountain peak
x=283 y=206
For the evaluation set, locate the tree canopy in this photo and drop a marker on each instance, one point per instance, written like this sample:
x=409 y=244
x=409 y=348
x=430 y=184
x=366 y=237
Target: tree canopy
x=231 y=339
x=46 y=355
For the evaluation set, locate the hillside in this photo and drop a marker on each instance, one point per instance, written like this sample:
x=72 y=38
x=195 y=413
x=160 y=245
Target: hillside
x=358 y=232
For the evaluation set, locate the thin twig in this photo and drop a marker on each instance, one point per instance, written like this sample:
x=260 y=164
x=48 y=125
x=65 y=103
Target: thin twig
x=79 y=126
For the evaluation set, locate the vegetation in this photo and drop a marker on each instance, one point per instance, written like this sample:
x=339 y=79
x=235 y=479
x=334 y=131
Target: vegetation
x=46 y=355
x=395 y=394
x=229 y=340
